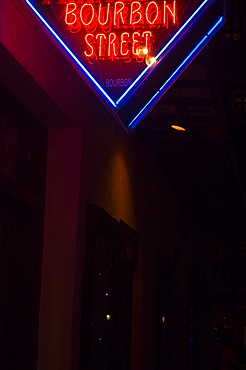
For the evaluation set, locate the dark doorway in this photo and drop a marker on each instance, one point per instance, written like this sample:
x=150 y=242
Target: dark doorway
x=110 y=259
x=23 y=144
x=20 y=241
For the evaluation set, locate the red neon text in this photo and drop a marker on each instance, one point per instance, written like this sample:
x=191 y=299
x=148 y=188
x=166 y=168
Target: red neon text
x=117 y=30
x=112 y=46
x=121 y=15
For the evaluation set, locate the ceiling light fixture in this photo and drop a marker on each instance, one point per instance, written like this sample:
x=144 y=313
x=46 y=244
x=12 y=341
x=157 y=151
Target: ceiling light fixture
x=179 y=128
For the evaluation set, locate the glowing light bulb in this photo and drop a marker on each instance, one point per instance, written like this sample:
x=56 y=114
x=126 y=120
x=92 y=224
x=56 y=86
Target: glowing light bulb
x=149 y=60
x=108 y=317
x=142 y=51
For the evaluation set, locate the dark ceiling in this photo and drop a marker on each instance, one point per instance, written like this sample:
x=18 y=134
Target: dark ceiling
x=206 y=163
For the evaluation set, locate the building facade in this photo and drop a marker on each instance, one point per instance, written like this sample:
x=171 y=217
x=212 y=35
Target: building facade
x=103 y=266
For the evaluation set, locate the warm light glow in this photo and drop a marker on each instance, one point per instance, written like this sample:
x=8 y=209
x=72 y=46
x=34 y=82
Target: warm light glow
x=163 y=319
x=106 y=294
x=108 y=317
x=116 y=183
x=178 y=128
x=142 y=51
x=150 y=60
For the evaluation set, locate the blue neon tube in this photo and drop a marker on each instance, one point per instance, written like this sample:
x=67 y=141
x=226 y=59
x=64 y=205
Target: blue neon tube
x=170 y=42
x=177 y=71
x=94 y=81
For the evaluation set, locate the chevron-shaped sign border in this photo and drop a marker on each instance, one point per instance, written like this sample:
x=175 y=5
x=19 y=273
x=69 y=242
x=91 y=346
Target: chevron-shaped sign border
x=156 y=78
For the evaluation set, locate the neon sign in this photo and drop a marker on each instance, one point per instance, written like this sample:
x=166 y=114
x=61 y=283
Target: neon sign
x=130 y=52
x=118 y=30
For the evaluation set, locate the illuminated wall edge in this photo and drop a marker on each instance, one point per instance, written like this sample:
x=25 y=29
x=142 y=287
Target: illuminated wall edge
x=178 y=71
